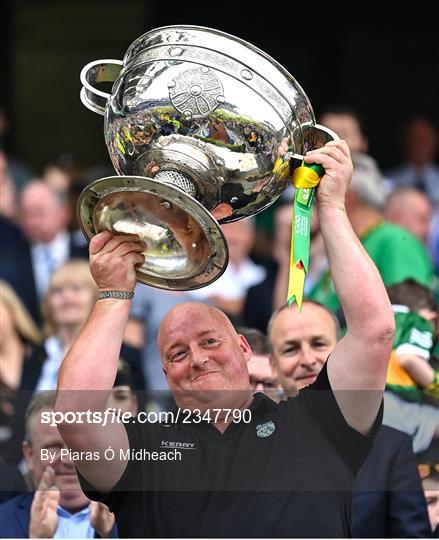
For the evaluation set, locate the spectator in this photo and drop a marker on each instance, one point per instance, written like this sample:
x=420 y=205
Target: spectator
x=388 y=500
x=410 y=374
x=67 y=305
x=26 y=366
x=71 y=295
x=44 y=219
x=46 y=246
x=347 y=124
x=57 y=508
x=300 y=344
x=229 y=291
x=57 y=179
x=20 y=345
x=420 y=149
x=19 y=335
x=393 y=250
x=428 y=467
x=262 y=376
x=411 y=209
x=397 y=254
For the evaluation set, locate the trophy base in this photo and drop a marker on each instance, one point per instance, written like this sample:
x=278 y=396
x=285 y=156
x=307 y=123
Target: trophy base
x=185 y=247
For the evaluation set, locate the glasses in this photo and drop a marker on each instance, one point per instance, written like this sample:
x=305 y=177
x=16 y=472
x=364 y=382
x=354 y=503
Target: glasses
x=427 y=469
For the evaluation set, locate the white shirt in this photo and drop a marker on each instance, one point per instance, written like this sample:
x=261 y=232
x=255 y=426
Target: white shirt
x=234 y=283
x=49 y=372
x=48 y=257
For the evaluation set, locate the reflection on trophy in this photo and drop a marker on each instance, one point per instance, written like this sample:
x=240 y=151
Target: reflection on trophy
x=203 y=128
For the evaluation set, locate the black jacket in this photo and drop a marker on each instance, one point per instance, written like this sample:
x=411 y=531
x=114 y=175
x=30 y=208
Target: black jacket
x=389 y=501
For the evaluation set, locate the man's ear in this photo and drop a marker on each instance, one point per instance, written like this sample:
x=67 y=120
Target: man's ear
x=245 y=347
x=28 y=455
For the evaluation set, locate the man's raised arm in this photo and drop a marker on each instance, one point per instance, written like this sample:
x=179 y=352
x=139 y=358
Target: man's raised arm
x=89 y=369
x=357 y=367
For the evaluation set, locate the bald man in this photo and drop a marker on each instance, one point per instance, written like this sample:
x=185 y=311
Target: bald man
x=388 y=500
x=245 y=465
x=301 y=343
x=410 y=209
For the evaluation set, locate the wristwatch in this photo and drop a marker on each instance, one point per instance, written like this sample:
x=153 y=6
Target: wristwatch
x=119 y=295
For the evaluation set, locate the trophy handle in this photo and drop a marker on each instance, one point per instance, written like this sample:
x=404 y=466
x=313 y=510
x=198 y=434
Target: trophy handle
x=97 y=72
x=314 y=136
x=323 y=135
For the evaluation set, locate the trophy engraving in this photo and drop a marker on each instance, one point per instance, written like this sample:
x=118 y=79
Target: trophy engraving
x=196 y=92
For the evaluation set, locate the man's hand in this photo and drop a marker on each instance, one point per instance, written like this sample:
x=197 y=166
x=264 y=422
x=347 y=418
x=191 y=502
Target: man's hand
x=335 y=158
x=43 y=513
x=101 y=519
x=113 y=260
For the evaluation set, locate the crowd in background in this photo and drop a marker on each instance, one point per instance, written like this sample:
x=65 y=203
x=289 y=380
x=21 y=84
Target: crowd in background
x=47 y=293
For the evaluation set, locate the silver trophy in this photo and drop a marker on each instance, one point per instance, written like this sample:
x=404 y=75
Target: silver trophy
x=201 y=128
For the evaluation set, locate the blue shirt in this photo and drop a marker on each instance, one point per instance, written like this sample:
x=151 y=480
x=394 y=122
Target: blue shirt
x=74 y=525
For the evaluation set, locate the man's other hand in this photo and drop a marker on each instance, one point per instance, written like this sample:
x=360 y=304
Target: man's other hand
x=101 y=519
x=43 y=513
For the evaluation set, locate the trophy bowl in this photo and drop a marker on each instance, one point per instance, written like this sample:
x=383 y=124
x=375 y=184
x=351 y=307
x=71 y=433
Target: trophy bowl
x=202 y=128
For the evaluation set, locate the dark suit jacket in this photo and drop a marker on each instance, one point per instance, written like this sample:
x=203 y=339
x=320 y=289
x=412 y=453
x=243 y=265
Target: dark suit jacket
x=11 y=482
x=15 y=517
x=389 y=501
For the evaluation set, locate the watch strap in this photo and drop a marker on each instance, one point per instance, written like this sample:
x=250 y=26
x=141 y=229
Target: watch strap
x=118 y=295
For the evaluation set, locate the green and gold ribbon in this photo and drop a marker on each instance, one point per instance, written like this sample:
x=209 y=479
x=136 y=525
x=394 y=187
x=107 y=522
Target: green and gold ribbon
x=305 y=180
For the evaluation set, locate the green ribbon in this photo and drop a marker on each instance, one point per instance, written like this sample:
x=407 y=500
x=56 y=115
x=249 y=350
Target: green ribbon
x=305 y=179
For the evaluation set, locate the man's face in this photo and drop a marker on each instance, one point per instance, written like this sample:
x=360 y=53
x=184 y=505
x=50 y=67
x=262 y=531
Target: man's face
x=301 y=343
x=413 y=212
x=42 y=217
x=46 y=437
x=417 y=219
x=262 y=376
x=202 y=353
x=347 y=128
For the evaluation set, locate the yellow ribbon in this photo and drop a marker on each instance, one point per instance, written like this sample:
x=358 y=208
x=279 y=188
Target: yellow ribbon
x=303 y=178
